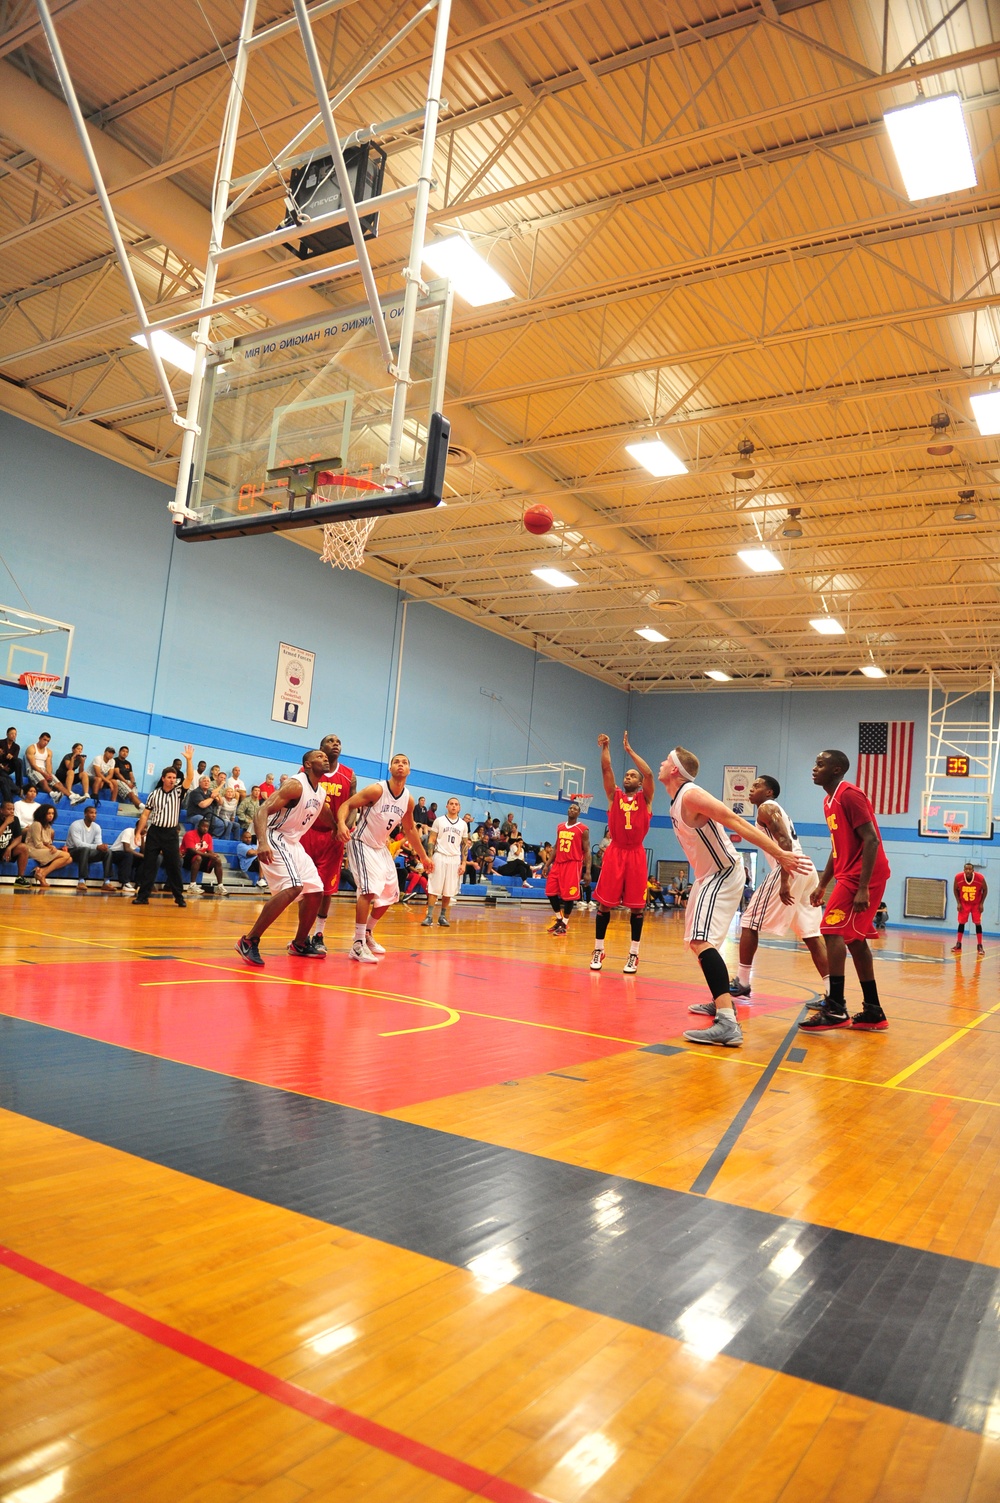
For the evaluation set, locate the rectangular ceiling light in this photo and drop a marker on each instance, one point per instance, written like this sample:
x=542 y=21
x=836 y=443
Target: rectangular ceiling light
x=827 y=626
x=872 y=670
x=718 y=675
x=173 y=351
x=472 y=278
x=761 y=560
x=932 y=146
x=651 y=634
x=654 y=456
x=986 y=410
x=556 y=578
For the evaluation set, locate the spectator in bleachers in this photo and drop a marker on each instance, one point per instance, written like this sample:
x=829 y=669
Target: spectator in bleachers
x=655 y=894
x=236 y=784
x=197 y=854
x=126 y=778
x=42 y=849
x=267 y=787
x=11 y=767
x=25 y=806
x=515 y=865
x=246 y=857
x=432 y=814
x=420 y=811
x=124 y=853
x=199 y=770
x=226 y=811
x=102 y=770
x=85 y=843
x=475 y=856
x=12 y=847
x=508 y=826
x=417 y=878
x=203 y=803
x=38 y=763
x=488 y=861
x=246 y=809
x=545 y=853
x=73 y=769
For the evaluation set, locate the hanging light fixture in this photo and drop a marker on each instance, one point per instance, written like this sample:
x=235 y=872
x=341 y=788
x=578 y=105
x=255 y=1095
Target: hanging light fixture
x=745 y=450
x=793 y=524
x=965 y=511
x=940 y=447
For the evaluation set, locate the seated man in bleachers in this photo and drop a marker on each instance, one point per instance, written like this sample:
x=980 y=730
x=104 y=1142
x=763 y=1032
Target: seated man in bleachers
x=236 y=784
x=125 y=852
x=12 y=847
x=102 y=771
x=85 y=843
x=127 y=791
x=198 y=854
x=202 y=803
x=11 y=766
x=38 y=765
x=246 y=857
x=73 y=769
x=246 y=809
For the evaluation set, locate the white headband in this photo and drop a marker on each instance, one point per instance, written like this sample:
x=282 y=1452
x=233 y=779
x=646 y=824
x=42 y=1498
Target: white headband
x=673 y=761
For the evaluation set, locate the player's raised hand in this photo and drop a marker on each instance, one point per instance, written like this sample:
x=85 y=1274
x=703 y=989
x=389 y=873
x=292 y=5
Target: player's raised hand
x=603 y=741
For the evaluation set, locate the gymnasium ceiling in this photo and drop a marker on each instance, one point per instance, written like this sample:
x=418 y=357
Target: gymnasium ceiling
x=699 y=212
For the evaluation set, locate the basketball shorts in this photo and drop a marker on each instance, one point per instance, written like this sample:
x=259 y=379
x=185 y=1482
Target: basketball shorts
x=374 y=872
x=965 y=913
x=442 y=882
x=328 y=857
x=768 y=914
x=563 y=881
x=712 y=904
x=839 y=916
x=622 y=883
x=290 y=866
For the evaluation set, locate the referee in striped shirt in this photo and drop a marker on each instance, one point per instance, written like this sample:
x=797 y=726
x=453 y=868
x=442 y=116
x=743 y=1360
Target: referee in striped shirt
x=158 y=823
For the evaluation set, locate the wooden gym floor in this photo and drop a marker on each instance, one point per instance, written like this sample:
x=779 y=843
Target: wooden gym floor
x=481 y=1224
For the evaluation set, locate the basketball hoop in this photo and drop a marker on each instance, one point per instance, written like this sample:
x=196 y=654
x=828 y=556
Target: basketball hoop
x=39 y=687
x=954 y=832
x=344 y=543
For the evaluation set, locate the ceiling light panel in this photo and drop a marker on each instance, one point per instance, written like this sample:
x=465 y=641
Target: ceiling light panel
x=932 y=146
x=827 y=626
x=173 y=351
x=657 y=458
x=761 y=560
x=556 y=578
x=986 y=410
x=650 y=634
x=473 y=279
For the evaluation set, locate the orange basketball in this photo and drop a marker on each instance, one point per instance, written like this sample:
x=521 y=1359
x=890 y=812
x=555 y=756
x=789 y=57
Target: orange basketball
x=538 y=519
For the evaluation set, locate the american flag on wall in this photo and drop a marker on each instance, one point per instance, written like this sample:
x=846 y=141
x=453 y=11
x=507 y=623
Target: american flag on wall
x=885 y=760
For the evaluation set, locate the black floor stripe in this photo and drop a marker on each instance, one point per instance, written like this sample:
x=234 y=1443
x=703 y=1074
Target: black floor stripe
x=897 y=1325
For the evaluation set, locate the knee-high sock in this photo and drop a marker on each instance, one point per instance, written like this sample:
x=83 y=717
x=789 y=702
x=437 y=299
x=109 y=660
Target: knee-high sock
x=601 y=926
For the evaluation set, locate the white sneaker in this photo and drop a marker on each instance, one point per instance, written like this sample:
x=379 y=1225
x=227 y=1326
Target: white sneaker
x=220 y=891
x=631 y=965
x=597 y=960
x=262 y=882
x=360 y=952
x=129 y=887
x=372 y=944
x=76 y=798
x=192 y=887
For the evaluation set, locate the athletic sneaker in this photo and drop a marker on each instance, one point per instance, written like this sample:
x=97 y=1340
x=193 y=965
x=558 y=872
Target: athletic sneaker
x=871 y=1020
x=707 y=1009
x=980 y=952
x=128 y=887
x=957 y=949
x=444 y=923
x=305 y=950
x=426 y=922
x=220 y=891
x=824 y=1020
x=192 y=887
x=249 y=949
x=597 y=960
x=559 y=927
x=724 y=1031
x=76 y=798
x=26 y=882
x=262 y=882
x=319 y=948
x=360 y=952
x=372 y=945
x=554 y=926
x=737 y=989
x=631 y=965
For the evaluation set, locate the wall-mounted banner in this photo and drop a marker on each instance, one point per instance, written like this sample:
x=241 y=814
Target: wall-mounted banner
x=736 y=789
x=293 y=685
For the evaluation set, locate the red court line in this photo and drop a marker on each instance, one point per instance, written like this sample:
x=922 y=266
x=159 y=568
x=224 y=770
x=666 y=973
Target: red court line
x=370 y=1432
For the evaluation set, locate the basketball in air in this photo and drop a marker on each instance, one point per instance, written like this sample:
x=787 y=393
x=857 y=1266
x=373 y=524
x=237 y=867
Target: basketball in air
x=538 y=519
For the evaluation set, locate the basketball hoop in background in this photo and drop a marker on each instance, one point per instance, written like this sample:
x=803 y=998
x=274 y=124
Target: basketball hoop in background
x=344 y=543
x=39 y=687
x=954 y=832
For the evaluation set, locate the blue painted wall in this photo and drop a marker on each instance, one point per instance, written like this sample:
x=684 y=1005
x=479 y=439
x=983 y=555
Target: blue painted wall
x=178 y=642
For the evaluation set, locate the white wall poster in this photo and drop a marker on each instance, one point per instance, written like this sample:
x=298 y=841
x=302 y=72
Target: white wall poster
x=293 y=685
x=736 y=789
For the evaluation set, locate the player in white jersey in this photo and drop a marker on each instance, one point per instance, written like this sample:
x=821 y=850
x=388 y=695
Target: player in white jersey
x=700 y=823
x=279 y=825
x=381 y=807
x=448 y=842
x=781 y=902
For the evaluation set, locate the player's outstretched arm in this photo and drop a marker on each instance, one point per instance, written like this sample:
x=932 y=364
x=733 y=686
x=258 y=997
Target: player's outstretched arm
x=607 y=771
x=705 y=803
x=648 y=783
x=289 y=793
x=412 y=832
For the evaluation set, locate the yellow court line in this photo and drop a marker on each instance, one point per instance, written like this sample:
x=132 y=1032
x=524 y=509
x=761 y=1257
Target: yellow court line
x=925 y=1059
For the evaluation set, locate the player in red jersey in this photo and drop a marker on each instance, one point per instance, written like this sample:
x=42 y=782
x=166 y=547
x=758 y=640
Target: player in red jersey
x=572 y=855
x=321 y=841
x=625 y=870
x=970 y=894
x=860 y=871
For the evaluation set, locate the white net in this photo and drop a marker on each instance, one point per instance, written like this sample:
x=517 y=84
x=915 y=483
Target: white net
x=344 y=542
x=954 y=832
x=39 y=687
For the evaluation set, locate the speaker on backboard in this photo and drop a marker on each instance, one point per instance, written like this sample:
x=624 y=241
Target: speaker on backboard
x=315 y=190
